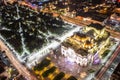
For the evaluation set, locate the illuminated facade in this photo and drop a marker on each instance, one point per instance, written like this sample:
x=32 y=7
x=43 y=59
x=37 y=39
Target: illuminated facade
x=75 y=57
x=99 y=30
x=75 y=49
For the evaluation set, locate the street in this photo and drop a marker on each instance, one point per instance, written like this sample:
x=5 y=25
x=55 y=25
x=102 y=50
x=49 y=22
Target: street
x=21 y=69
x=103 y=70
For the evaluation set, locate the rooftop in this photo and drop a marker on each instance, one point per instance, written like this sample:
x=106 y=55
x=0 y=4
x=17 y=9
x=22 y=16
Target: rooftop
x=96 y=26
x=78 y=42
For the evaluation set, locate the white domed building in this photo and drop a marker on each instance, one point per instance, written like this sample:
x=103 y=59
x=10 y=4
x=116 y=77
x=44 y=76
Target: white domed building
x=75 y=49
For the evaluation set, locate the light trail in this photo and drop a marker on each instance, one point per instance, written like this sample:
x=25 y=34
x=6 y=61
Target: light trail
x=103 y=70
x=21 y=69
